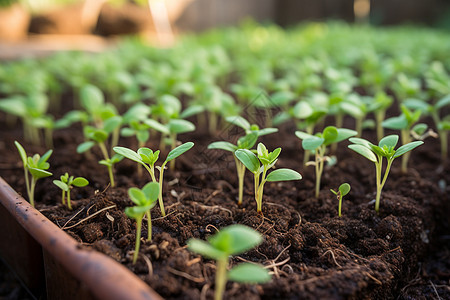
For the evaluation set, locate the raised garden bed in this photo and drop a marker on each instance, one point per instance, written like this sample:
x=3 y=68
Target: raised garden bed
x=311 y=252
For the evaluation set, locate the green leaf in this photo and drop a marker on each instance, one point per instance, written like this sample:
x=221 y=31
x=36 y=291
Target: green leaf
x=274 y=155
x=360 y=141
x=344 y=133
x=83 y=147
x=112 y=123
x=191 y=111
x=344 y=189
x=283 y=175
x=312 y=143
x=303 y=135
x=14 y=106
x=151 y=191
x=179 y=150
x=397 y=123
x=45 y=157
x=443 y=102
x=247 y=141
x=236 y=239
x=91 y=98
x=205 y=249
x=420 y=128
x=80 y=182
x=249 y=273
x=330 y=134
x=238 y=121
x=302 y=110
x=61 y=185
x=128 y=153
x=406 y=148
x=22 y=153
x=38 y=173
x=136 y=195
x=180 y=126
x=116 y=158
x=98 y=135
x=249 y=159
x=157 y=126
x=266 y=131
x=389 y=141
x=136 y=212
x=148 y=156
x=367 y=153
x=223 y=146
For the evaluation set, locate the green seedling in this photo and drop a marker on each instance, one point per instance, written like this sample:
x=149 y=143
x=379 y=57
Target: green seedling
x=99 y=137
x=249 y=128
x=145 y=200
x=319 y=143
x=66 y=184
x=405 y=123
x=268 y=159
x=36 y=166
x=245 y=142
x=231 y=240
x=379 y=106
x=344 y=189
x=375 y=154
x=148 y=158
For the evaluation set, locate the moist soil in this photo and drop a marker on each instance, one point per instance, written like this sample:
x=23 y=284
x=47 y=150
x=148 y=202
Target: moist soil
x=400 y=253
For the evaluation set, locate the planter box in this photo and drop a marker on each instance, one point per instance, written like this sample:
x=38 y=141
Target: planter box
x=49 y=261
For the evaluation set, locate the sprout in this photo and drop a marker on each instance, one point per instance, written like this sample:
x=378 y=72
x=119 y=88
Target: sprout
x=319 y=144
x=231 y=240
x=66 y=184
x=147 y=157
x=268 y=159
x=36 y=166
x=145 y=200
x=375 y=154
x=344 y=189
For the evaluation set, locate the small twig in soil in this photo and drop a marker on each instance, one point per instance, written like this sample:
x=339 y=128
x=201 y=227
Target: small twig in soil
x=207 y=229
x=395 y=249
x=373 y=278
x=160 y=218
x=89 y=209
x=185 y=275
x=149 y=265
x=91 y=216
x=214 y=207
x=333 y=256
x=434 y=289
x=193 y=261
x=71 y=218
x=213 y=194
x=205 y=289
x=291 y=270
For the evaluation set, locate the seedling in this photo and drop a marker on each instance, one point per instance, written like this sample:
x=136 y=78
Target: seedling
x=319 y=143
x=344 y=189
x=36 y=166
x=245 y=142
x=404 y=123
x=145 y=200
x=231 y=240
x=148 y=158
x=66 y=184
x=376 y=153
x=268 y=159
x=379 y=107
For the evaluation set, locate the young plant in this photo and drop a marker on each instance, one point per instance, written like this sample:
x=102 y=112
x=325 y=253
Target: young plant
x=379 y=106
x=319 y=143
x=231 y=240
x=404 y=123
x=268 y=159
x=148 y=158
x=98 y=137
x=145 y=200
x=244 y=142
x=66 y=184
x=344 y=189
x=36 y=166
x=375 y=154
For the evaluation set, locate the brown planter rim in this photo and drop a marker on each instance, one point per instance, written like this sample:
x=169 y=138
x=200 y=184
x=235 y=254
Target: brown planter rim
x=104 y=277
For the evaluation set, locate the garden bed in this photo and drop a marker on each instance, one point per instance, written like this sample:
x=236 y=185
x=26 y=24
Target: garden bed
x=312 y=252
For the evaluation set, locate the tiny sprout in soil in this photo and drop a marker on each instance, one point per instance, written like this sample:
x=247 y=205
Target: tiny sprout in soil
x=376 y=153
x=145 y=200
x=319 y=143
x=231 y=240
x=66 y=184
x=36 y=166
x=344 y=189
x=146 y=156
x=267 y=159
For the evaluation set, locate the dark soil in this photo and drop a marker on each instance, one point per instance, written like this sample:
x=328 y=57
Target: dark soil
x=400 y=253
